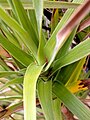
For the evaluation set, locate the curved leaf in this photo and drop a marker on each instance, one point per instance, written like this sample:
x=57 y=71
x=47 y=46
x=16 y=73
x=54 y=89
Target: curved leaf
x=29 y=91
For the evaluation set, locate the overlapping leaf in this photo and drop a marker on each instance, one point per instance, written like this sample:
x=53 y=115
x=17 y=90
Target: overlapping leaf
x=73 y=56
x=71 y=102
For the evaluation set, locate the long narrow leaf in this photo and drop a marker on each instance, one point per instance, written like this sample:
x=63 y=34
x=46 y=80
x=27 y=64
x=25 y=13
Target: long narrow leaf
x=64 y=74
x=10 y=98
x=8 y=73
x=45 y=96
x=15 y=81
x=30 y=79
x=26 y=38
x=38 y=6
x=76 y=72
x=9 y=35
x=71 y=102
x=57 y=109
x=73 y=55
x=52 y=40
x=65 y=48
x=24 y=20
x=17 y=53
x=47 y=4
x=64 y=33
x=4 y=65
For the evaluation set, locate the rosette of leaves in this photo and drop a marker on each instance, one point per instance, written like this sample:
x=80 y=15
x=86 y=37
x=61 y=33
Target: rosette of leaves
x=42 y=72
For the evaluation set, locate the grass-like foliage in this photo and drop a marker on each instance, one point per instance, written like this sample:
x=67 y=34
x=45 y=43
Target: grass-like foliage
x=41 y=69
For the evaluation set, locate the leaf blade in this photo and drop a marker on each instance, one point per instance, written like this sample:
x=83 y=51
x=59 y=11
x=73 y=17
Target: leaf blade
x=73 y=56
x=64 y=33
x=16 y=27
x=45 y=96
x=73 y=104
x=30 y=79
x=20 y=55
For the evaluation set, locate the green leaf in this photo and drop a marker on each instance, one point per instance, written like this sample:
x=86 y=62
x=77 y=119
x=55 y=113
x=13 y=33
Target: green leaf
x=15 y=81
x=47 y=4
x=10 y=98
x=75 y=54
x=38 y=6
x=26 y=38
x=4 y=65
x=24 y=20
x=32 y=18
x=76 y=72
x=29 y=92
x=17 y=53
x=40 y=54
x=64 y=74
x=64 y=33
x=54 y=19
x=71 y=102
x=70 y=72
x=45 y=96
x=49 y=47
x=57 y=109
x=8 y=73
x=12 y=6
x=9 y=34
x=65 y=48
